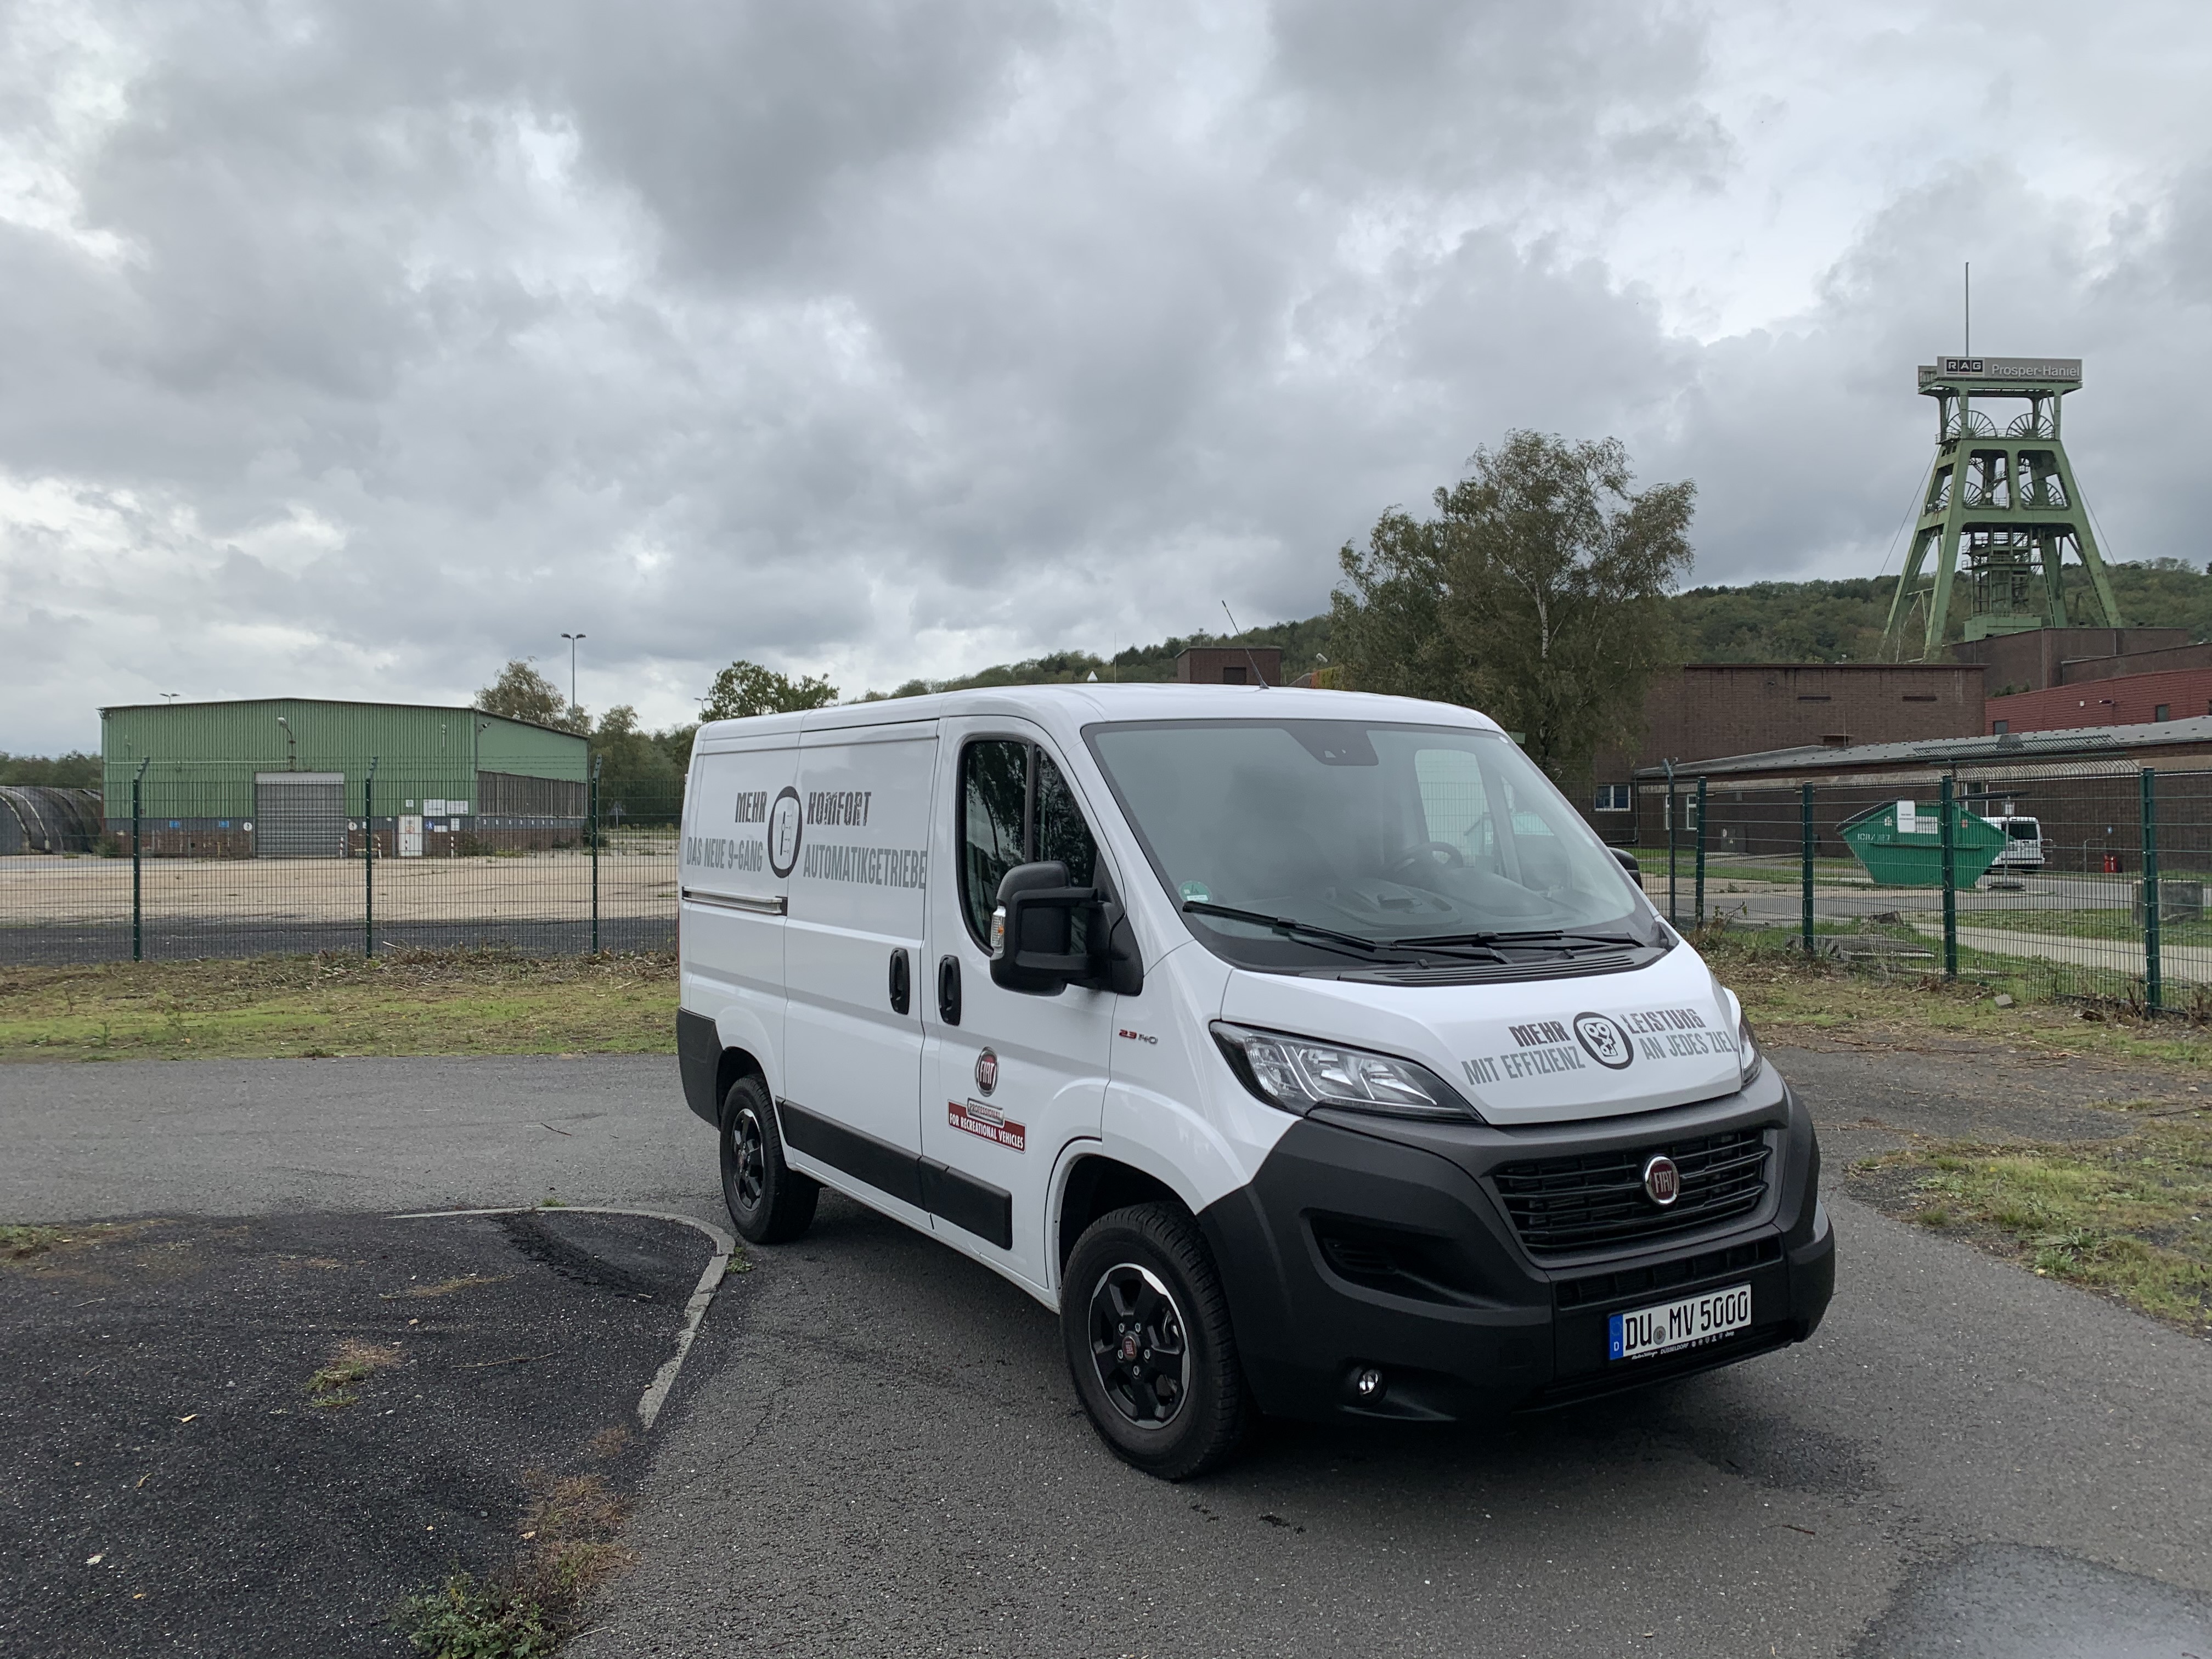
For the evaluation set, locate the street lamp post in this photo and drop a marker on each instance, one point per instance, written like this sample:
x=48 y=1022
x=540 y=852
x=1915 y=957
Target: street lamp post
x=572 y=639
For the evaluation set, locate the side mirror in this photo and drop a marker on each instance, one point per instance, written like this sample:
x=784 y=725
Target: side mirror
x=1628 y=862
x=1033 y=935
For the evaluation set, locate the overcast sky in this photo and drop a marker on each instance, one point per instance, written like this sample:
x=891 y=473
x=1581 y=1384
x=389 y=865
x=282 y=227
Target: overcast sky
x=348 y=351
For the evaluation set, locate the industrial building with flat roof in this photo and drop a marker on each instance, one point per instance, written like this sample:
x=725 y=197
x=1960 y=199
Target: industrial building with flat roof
x=301 y=777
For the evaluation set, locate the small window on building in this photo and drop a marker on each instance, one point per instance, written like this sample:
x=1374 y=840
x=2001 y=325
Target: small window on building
x=2163 y=712
x=1998 y=729
x=1920 y=697
x=1814 y=696
x=1232 y=673
x=1614 y=798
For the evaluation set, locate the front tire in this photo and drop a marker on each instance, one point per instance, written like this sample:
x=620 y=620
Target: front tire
x=1145 y=1324
x=771 y=1203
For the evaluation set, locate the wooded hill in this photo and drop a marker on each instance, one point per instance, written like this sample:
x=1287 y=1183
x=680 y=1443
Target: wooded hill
x=1765 y=622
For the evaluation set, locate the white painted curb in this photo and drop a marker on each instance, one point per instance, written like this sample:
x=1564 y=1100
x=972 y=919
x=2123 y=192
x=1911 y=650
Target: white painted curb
x=656 y=1393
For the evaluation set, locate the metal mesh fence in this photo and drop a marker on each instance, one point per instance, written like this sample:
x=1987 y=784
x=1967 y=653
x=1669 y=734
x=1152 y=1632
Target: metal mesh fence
x=2048 y=864
x=2028 y=878
x=217 y=861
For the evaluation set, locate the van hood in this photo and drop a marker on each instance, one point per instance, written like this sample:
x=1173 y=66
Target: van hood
x=1546 y=1051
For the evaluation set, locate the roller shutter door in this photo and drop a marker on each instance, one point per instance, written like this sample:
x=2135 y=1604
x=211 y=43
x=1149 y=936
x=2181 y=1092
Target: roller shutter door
x=299 y=815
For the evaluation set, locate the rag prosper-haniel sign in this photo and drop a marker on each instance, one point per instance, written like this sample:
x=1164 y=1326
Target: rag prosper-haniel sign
x=2064 y=371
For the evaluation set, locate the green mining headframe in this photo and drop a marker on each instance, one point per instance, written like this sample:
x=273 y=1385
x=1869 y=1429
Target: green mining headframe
x=2000 y=511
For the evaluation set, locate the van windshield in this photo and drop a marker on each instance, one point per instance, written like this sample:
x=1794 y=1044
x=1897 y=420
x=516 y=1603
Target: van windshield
x=1394 y=842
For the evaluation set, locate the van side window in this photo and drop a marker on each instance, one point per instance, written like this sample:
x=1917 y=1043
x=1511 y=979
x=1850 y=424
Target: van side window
x=1016 y=808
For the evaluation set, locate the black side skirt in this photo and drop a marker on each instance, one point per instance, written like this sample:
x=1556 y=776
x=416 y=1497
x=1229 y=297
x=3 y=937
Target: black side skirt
x=973 y=1206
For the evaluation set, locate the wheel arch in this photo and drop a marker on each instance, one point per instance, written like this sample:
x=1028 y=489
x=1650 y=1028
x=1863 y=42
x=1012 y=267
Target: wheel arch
x=711 y=1061
x=1096 y=1184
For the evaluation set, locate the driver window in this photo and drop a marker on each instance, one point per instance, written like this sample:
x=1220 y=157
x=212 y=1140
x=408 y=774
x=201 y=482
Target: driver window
x=994 y=785
x=1016 y=808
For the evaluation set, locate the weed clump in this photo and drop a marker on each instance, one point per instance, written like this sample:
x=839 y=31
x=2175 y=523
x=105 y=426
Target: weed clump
x=528 y=1608
x=354 y=1361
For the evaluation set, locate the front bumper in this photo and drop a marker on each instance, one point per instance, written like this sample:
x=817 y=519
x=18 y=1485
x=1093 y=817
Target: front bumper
x=1367 y=1243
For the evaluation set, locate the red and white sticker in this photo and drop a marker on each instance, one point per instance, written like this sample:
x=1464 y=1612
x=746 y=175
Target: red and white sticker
x=977 y=1119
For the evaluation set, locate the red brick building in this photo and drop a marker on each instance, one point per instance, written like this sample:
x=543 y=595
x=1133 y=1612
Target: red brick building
x=2123 y=700
x=1230 y=664
x=1709 y=709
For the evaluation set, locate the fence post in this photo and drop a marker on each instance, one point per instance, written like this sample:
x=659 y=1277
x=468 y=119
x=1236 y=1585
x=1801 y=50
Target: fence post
x=1805 y=885
x=597 y=761
x=2153 y=978
x=369 y=860
x=1701 y=852
x=1674 y=911
x=137 y=893
x=1950 y=883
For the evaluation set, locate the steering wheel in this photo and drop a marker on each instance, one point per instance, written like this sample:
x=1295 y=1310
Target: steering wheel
x=1438 y=854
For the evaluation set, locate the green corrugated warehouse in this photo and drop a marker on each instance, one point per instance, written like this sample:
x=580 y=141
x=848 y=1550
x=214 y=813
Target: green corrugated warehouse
x=289 y=777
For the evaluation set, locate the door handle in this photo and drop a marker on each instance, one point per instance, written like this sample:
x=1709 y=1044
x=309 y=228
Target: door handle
x=902 y=981
x=948 y=989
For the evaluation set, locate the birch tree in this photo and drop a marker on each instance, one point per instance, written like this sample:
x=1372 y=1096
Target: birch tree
x=1534 y=594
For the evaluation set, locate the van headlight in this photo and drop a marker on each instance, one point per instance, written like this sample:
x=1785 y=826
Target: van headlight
x=1748 y=1057
x=1299 y=1073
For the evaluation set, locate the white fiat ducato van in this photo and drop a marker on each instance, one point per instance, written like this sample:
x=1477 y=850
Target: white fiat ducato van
x=1304 y=1050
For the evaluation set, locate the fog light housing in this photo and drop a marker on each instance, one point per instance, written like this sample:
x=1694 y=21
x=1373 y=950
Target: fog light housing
x=1368 y=1383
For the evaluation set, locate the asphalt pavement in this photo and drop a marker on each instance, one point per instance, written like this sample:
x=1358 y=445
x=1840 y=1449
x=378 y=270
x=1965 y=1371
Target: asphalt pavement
x=187 y=1474
x=879 y=1451
x=80 y=1142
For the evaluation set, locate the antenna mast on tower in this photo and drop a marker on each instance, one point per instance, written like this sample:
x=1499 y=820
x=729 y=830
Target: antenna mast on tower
x=2001 y=512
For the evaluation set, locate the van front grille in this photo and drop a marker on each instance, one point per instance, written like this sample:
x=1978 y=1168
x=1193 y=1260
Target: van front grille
x=1561 y=1204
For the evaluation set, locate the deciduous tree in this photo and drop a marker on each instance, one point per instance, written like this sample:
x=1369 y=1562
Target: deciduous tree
x=521 y=693
x=1535 y=595
x=746 y=689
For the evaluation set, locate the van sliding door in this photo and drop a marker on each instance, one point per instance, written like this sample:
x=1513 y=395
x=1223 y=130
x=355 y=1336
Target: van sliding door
x=853 y=1074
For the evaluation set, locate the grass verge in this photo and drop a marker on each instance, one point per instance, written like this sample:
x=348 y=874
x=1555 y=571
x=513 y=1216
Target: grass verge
x=2130 y=1217
x=526 y=1609
x=1789 y=998
x=403 y=1002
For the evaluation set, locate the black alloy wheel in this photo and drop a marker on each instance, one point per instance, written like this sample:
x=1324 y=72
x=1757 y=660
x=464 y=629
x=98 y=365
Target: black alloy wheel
x=771 y=1203
x=1138 y=1347
x=1145 y=1324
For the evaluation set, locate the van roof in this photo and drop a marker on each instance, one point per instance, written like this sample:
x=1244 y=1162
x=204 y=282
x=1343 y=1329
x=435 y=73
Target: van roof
x=1068 y=707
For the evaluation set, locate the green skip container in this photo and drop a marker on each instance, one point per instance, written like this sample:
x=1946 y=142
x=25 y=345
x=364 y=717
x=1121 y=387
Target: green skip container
x=1900 y=843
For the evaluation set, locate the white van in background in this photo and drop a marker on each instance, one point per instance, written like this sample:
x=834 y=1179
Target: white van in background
x=2023 y=848
x=1305 y=1051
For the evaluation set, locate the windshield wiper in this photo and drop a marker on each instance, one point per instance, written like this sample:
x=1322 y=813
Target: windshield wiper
x=1531 y=936
x=1289 y=926
x=1292 y=928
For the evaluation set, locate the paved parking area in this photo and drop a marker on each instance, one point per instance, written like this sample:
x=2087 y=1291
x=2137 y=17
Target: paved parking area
x=254 y=1435
x=896 y=1453
x=876 y=1450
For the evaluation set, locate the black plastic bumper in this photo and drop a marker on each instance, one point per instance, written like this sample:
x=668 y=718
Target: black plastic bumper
x=699 y=1060
x=1368 y=1244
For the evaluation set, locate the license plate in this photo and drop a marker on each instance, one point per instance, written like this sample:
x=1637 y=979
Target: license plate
x=1673 y=1325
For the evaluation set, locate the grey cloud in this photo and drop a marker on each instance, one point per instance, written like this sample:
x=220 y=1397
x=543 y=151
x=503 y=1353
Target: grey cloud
x=883 y=337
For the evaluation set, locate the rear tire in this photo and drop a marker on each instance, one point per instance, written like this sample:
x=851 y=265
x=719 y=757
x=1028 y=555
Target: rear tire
x=770 y=1204
x=1145 y=1324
